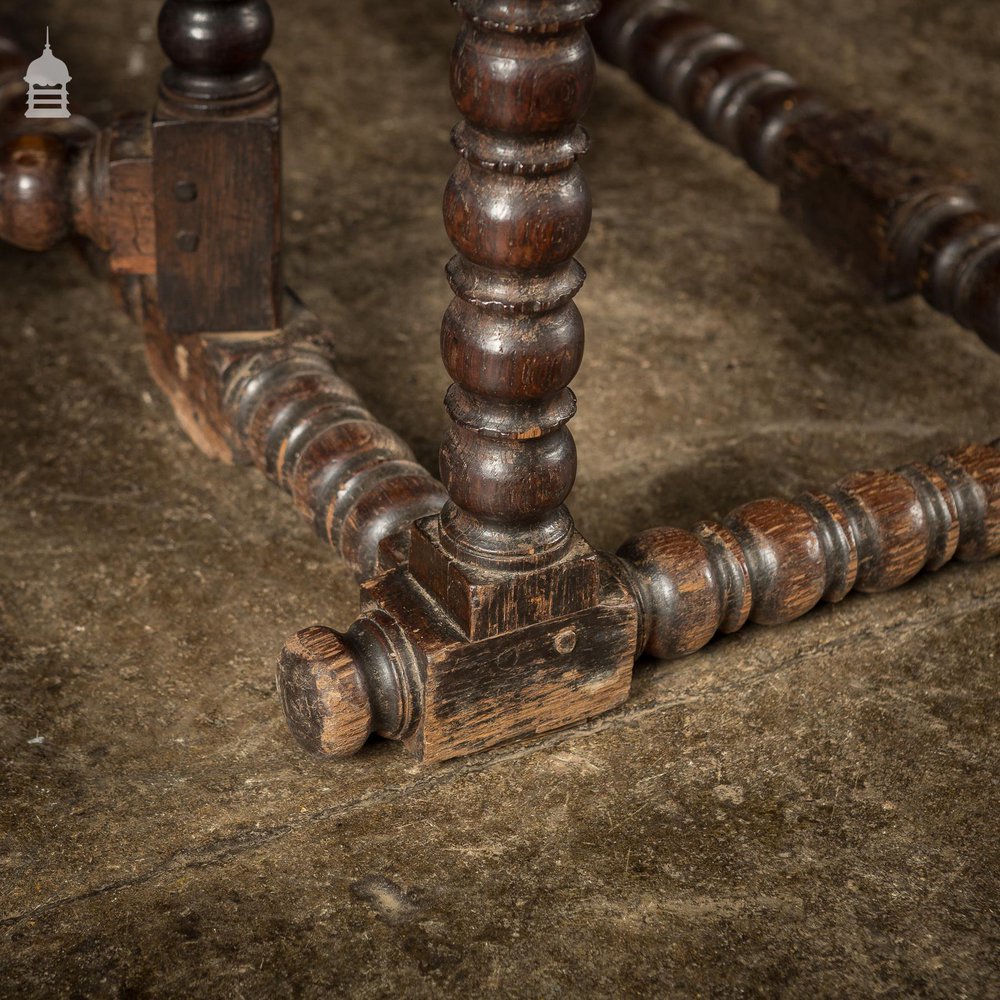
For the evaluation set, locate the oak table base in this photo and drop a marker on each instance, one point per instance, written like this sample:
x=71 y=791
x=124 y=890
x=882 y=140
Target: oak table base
x=485 y=615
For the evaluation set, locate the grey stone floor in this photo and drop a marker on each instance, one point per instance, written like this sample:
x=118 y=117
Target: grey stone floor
x=805 y=811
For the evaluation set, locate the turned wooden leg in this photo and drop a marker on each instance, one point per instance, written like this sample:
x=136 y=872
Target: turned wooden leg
x=485 y=615
x=769 y=562
x=503 y=622
x=902 y=228
x=248 y=383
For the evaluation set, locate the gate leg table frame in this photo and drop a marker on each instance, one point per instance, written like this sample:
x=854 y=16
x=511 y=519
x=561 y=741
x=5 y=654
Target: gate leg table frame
x=485 y=615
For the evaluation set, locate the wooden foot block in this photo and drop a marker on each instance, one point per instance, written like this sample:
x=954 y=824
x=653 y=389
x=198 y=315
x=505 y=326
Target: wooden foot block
x=420 y=680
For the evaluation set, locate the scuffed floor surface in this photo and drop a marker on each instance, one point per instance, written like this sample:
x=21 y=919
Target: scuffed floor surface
x=805 y=811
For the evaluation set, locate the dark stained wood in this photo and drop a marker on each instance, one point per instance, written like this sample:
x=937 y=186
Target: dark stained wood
x=666 y=594
x=477 y=694
x=273 y=400
x=35 y=210
x=443 y=695
x=503 y=619
x=322 y=688
x=64 y=176
x=517 y=208
x=217 y=169
x=773 y=560
x=113 y=195
x=99 y=188
x=900 y=227
x=709 y=77
x=490 y=618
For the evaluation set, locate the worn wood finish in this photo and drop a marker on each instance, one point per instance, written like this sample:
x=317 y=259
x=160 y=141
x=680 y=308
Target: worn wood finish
x=709 y=77
x=78 y=180
x=773 y=560
x=97 y=186
x=503 y=622
x=217 y=169
x=517 y=208
x=273 y=399
x=408 y=673
x=35 y=209
x=902 y=228
x=442 y=694
x=491 y=619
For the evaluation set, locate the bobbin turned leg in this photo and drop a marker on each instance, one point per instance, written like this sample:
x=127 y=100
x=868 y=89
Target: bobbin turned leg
x=504 y=622
x=248 y=383
x=769 y=562
x=902 y=228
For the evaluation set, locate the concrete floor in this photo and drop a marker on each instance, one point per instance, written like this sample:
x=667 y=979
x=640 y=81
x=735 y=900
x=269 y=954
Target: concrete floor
x=805 y=811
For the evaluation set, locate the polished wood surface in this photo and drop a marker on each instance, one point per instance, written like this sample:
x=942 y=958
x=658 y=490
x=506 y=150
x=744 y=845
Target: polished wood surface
x=773 y=560
x=485 y=615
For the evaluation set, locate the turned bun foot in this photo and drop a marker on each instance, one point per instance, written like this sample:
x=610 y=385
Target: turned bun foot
x=324 y=693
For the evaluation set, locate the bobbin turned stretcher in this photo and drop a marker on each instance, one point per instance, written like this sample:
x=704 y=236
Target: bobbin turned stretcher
x=485 y=615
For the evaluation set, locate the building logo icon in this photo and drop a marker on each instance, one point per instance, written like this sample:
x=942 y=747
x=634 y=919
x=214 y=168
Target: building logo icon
x=47 y=78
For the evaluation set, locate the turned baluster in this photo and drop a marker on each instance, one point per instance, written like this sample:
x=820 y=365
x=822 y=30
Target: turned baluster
x=773 y=560
x=517 y=208
x=902 y=228
x=708 y=76
x=503 y=621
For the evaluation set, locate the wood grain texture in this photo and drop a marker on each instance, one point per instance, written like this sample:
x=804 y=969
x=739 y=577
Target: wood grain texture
x=324 y=694
x=217 y=169
x=94 y=185
x=503 y=619
x=517 y=208
x=274 y=400
x=902 y=228
x=444 y=695
x=307 y=430
x=773 y=560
